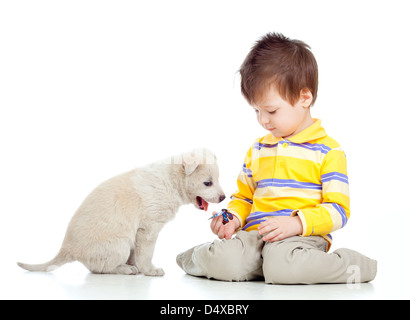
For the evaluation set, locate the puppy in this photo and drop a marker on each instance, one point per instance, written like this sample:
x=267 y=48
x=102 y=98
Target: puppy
x=116 y=227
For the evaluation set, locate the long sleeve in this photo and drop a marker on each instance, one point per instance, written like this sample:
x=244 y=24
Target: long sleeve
x=334 y=210
x=242 y=199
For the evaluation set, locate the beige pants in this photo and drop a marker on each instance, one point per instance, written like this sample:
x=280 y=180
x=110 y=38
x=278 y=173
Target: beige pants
x=295 y=260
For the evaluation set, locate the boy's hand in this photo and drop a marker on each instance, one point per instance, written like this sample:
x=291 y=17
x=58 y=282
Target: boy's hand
x=224 y=231
x=280 y=228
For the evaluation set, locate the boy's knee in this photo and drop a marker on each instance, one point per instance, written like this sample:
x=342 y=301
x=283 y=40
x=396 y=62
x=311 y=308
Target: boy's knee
x=209 y=260
x=230 y=266
x=238 y=259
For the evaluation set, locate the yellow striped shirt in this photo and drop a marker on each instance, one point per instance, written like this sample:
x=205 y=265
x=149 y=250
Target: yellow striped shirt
x=303 y=175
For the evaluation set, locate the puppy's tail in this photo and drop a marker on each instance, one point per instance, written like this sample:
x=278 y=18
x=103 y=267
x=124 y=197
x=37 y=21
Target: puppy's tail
x=57 y=262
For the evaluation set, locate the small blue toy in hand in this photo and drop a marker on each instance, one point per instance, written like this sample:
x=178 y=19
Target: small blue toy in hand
x=225 y=214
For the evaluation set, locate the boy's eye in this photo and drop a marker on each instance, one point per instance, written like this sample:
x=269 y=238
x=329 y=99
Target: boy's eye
x=272 y=112
x=208 y=183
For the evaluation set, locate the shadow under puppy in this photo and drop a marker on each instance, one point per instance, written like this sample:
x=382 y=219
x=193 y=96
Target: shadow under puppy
x=116 y=227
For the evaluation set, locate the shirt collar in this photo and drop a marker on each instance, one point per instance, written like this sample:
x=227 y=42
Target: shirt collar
x=313 y=132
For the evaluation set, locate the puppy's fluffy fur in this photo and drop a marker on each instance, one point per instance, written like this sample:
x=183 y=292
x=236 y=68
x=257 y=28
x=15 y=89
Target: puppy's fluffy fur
x=116 y=227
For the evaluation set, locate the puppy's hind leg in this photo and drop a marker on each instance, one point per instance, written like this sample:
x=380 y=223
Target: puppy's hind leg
x=131 y=264
x=110 y=258
x=130 y=268
x=125 y=269
x=132 y=259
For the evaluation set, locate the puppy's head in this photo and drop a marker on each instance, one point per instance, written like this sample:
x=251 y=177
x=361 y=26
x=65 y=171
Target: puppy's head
x=201 y=177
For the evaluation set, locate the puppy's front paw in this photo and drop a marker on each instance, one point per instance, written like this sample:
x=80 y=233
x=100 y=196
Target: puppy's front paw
x=157 y=272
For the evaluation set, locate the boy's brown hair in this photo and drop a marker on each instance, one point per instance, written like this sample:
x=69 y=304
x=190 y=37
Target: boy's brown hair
x=276 y=60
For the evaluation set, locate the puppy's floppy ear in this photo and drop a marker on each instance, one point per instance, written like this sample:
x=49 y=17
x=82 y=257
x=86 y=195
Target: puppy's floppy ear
x=189 y=163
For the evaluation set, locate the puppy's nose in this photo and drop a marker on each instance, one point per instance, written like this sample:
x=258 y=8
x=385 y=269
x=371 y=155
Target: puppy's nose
x=222 y=198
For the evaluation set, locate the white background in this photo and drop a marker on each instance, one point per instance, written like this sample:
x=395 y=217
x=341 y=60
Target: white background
x=90 y=89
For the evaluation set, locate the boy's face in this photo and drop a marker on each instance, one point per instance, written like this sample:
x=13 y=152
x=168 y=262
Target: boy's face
x=279 y=117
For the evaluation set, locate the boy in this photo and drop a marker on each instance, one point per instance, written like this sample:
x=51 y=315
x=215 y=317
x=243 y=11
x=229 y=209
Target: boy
x=293 y=188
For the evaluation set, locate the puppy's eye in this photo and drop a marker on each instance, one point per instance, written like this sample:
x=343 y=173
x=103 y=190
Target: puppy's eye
x=208 y=183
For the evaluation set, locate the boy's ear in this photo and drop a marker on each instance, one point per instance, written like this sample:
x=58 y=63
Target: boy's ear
x=305 y=98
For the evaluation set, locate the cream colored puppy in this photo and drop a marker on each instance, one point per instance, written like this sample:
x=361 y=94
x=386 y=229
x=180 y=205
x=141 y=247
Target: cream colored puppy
x=116 y=227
